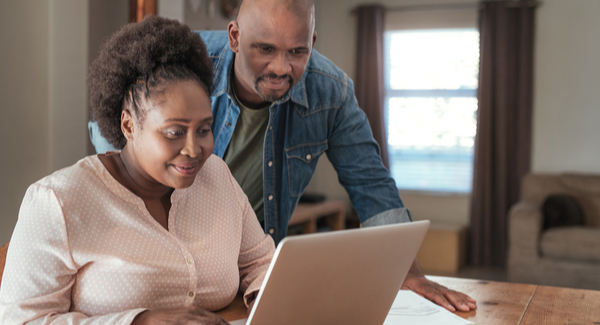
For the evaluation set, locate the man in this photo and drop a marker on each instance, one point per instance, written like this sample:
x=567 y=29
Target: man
x=278 y=105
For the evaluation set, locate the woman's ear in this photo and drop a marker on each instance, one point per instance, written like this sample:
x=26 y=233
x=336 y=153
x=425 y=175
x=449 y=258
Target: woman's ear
x=127 y=125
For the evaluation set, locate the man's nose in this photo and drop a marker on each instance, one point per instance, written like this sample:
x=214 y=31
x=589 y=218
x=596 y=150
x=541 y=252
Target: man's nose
x=281 y=65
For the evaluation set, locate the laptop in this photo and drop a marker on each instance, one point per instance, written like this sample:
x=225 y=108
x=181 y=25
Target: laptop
x=342 y=277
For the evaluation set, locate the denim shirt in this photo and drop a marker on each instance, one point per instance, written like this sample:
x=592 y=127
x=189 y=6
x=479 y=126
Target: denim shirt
x=319 y=115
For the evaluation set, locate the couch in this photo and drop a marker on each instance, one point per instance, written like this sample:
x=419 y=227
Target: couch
x=561 y=256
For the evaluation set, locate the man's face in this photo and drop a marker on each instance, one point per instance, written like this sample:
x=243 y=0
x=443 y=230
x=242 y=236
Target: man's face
x=272 y=54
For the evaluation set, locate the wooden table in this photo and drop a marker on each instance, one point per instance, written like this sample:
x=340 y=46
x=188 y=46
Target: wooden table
x=307 y=213
x=500 y=303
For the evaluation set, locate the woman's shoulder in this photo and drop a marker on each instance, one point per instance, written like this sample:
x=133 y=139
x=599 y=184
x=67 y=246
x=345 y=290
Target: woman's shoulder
x=78 y=176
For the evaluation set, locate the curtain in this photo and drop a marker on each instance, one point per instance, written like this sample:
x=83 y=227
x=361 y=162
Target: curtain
x=369 y=81
x=503 y=140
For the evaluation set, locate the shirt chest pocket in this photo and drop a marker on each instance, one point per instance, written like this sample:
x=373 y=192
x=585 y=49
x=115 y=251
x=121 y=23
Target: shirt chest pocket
x=301 y=163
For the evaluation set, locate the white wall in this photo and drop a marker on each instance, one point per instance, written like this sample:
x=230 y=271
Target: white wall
x=566 y=131
x=24 y=105
x=68 y=91
x=42 y=88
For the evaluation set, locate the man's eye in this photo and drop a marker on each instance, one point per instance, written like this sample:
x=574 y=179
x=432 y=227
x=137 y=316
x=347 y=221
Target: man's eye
x=266 y=48
x=298 y=51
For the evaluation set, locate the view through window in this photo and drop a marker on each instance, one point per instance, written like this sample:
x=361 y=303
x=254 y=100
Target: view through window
x=431 y=106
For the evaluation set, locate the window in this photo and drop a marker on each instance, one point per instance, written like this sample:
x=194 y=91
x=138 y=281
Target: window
x=431 y=106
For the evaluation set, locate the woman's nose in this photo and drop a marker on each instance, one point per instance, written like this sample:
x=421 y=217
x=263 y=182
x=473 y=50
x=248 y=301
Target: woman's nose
x=192 y=146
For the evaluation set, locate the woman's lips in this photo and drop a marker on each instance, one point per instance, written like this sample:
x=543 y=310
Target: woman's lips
x=186 y=169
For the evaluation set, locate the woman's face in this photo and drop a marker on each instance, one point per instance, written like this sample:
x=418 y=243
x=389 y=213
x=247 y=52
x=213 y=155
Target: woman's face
x=174 y=139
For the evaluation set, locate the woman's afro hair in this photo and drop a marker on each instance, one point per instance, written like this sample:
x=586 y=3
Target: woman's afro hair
x=139 y=59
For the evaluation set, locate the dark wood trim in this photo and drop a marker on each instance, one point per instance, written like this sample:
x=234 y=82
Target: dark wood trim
x=138 y=9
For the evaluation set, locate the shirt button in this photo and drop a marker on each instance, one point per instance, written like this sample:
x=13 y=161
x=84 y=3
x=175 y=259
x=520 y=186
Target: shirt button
x=191 y=294
x=271 y=231
x=190 y=261
x=270 y=127
x=270 y=197
x=270 y=163
x=228 y=124
x=308 y=157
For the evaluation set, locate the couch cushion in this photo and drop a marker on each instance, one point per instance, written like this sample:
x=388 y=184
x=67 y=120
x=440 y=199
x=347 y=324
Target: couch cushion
x=572 y=243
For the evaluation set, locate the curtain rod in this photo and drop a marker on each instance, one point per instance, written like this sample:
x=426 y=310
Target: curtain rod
x=455 y=6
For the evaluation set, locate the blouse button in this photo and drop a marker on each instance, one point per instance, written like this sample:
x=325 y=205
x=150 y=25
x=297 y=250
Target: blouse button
x=190 y=261
x=191 y=294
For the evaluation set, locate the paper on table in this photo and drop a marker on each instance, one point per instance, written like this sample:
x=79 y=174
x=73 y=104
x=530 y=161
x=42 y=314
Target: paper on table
x=410 y=308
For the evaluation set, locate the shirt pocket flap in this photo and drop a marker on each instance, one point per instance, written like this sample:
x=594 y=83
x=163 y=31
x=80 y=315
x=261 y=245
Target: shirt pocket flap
x=306 y=152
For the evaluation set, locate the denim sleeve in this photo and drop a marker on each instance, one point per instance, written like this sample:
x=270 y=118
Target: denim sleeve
x=355 y=156
x=100 y=144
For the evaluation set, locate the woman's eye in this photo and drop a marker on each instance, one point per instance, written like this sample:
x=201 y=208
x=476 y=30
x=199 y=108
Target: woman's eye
x=204 y=132
x=174 y=133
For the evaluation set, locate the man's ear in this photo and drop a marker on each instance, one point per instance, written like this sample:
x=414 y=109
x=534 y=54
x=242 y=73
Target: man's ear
x=233 y=31
x=127 y=125
x=314 y=40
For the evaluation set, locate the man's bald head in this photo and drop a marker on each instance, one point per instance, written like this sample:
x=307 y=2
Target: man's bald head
x=273 y=41
x=257 y=9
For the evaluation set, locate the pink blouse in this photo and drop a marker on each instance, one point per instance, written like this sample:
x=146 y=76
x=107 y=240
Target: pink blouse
x=86 y=250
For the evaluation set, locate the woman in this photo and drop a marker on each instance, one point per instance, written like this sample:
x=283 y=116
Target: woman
x=158 y=233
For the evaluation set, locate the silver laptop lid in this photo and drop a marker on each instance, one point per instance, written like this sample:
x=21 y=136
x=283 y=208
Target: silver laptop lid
x=343 y=277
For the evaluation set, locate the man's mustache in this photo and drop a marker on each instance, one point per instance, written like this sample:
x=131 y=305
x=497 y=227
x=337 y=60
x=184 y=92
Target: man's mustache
x=274 y=76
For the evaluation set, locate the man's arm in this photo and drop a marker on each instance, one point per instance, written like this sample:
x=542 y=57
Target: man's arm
x=100 y=144
x=355 y=156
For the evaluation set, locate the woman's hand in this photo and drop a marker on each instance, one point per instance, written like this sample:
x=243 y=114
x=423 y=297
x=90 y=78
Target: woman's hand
x=183 y=316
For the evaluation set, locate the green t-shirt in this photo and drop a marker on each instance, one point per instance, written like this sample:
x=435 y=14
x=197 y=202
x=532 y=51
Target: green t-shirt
x=244 y=155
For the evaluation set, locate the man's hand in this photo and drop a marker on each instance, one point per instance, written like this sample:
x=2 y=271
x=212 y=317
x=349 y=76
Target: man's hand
x=449 y=299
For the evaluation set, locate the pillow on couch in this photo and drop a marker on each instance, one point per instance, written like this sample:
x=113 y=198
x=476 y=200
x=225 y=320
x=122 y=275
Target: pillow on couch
x=561 y=211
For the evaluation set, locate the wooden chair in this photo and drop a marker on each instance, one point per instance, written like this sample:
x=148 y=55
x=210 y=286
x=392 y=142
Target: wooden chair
x=3 y=251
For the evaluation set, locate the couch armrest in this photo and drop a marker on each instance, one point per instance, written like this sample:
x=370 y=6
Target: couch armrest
x=524 y=231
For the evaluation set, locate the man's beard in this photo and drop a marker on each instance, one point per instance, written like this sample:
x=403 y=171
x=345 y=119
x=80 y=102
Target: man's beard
x=272 y=95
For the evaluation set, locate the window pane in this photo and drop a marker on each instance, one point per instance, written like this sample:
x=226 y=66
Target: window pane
x=431 y=109
x=433 y=59
x=434 y=123
x=431 y=142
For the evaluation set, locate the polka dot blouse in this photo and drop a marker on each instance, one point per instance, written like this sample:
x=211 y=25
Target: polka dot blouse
x=86 y=250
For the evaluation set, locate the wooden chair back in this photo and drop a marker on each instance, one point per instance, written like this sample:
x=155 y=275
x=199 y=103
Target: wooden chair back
x=3 y=251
